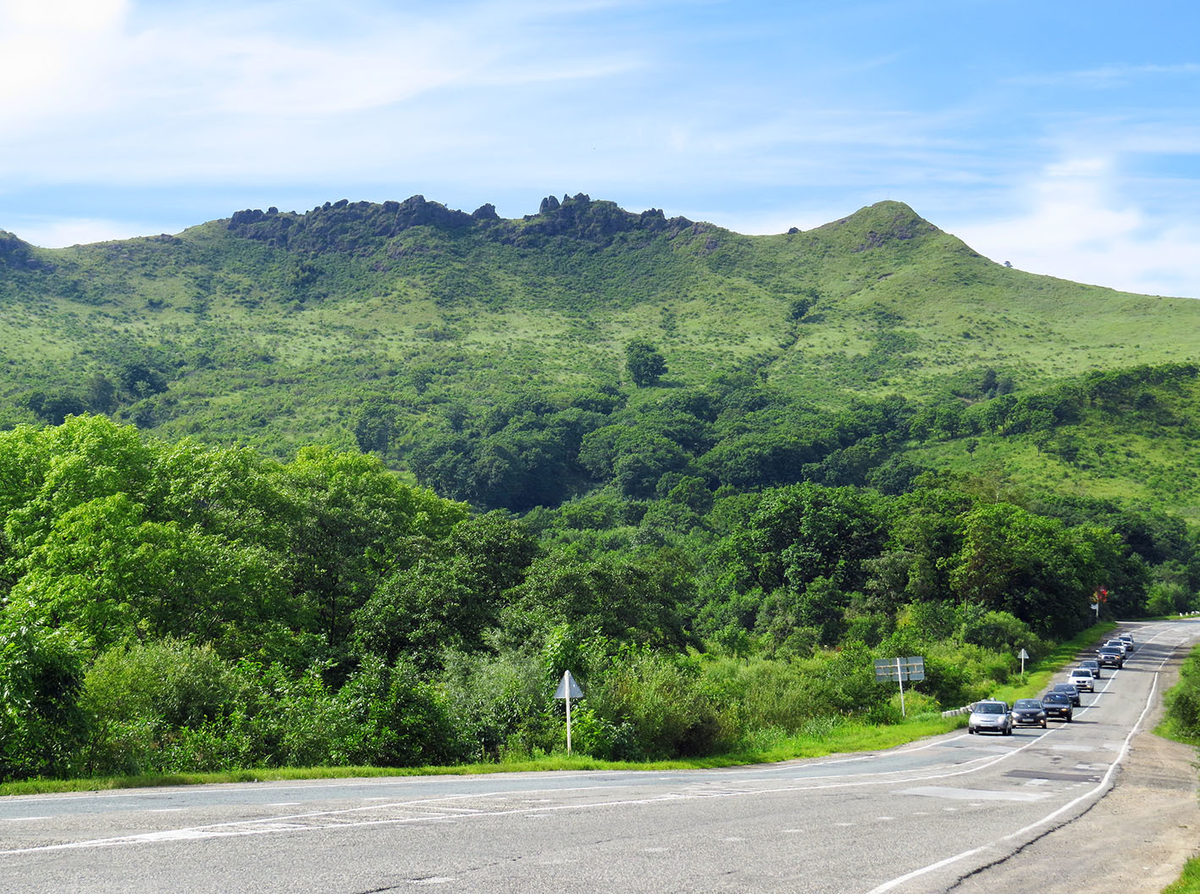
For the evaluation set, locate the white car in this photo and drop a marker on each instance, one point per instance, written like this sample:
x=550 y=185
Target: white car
x=1081 y=678
x=1120 y=644
x=1127 y=639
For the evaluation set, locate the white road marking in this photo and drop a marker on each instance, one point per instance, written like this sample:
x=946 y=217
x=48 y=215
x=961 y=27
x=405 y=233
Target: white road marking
x=917 y=873
x=972 y=794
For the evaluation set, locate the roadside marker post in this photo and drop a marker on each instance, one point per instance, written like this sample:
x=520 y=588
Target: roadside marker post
x=897 y=670
x=1024 y=656
x=568 y=689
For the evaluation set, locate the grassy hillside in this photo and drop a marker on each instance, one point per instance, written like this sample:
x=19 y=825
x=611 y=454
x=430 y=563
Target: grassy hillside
x=275 y=329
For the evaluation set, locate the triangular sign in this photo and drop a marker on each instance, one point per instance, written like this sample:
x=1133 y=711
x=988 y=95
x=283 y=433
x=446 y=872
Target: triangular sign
x=567 y=687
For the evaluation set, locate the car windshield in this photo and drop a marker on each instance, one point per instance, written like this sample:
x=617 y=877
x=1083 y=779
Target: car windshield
x=1081 y=673
x=991 y=708
x=1056 y=698
x=1028 y=703
x=1064 y=687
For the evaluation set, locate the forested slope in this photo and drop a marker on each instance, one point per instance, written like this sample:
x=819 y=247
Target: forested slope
x=357 y=485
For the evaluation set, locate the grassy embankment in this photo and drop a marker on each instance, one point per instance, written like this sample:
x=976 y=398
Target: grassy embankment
x=1189 y=880
x=840 y=738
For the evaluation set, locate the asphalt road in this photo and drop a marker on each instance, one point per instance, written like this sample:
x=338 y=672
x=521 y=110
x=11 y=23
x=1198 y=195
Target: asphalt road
x=924 y=817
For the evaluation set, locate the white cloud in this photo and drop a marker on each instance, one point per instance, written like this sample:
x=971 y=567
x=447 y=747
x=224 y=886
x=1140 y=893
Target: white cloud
x=1078 y=227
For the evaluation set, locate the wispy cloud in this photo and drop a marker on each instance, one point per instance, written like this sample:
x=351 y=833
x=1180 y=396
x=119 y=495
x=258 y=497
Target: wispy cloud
x=1106 y=76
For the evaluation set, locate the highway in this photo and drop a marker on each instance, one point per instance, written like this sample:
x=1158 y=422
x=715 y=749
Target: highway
x=929 y=816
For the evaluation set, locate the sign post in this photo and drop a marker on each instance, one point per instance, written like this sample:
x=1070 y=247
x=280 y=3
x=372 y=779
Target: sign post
x=897 y=670
x=568 y=689
x=1024 y=655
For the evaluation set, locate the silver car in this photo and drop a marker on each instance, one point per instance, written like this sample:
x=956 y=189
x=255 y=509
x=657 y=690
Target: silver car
x=990 y=717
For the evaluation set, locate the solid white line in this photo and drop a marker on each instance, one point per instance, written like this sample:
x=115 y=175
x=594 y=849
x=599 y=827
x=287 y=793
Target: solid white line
x=917 y=873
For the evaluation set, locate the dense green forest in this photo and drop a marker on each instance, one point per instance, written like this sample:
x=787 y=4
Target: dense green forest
x=356 y=486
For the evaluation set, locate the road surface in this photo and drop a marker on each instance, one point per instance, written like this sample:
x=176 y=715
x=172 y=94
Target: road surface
x=955 y=811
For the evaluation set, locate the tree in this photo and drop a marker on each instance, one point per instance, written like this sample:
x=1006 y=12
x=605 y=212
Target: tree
x=644 y=362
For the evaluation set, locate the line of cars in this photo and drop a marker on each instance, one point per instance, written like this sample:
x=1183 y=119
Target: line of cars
x=1059 y=703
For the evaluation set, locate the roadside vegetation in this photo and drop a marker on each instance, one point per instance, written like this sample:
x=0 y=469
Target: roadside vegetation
x=174 y=608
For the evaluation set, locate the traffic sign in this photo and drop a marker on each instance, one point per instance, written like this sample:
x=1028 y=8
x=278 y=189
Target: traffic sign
x=567 y=687
x=567 y=690
x=897 y=670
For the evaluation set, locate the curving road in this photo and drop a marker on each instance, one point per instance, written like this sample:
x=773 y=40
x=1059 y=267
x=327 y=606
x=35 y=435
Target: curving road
x=951 y=811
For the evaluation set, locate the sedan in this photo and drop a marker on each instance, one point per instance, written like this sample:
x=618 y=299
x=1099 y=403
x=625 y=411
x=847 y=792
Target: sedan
x=990 y=716
x=1093 y=665
x=1029 y=712
x=1058 y=704
x=1070 y=690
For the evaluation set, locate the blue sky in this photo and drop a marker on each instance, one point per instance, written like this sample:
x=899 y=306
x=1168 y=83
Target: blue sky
x=1061 y=136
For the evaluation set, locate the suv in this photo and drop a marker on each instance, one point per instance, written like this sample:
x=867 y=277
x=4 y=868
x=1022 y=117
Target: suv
x=1120 y=644
x=1127 y=639
x=990 y=716
x=1081 y=678
x=1110 y=656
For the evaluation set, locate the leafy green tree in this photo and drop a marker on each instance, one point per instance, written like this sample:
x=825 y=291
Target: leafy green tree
x=644 y=362
x=373 y=427
x=41 y=724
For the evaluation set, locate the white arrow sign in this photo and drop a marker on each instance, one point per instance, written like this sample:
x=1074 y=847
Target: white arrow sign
x=568 y=689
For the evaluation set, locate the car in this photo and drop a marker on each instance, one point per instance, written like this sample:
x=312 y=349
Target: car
x=990 y=716
x=1058 y=704
x=1029 y=712
x=1119 y=644
x=1110 y=657
x=1081 y=678
x=1093 y=665
x=1127 y=639
x=1070 y=690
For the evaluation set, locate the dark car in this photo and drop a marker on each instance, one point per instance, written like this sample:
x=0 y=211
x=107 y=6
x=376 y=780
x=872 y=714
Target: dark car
x=1070 y=690
x=1029 y=712
x=1110 y=656
x=1058 y=704
x=1093 y=665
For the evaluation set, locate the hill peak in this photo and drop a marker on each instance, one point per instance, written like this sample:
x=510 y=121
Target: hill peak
x=879 y=224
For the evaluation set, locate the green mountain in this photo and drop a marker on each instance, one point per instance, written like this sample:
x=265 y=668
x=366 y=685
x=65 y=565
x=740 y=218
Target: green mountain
x=403 y=325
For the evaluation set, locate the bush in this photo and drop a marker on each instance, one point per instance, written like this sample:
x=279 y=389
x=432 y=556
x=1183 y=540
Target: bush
x=1183 y=701
x=139 y=698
